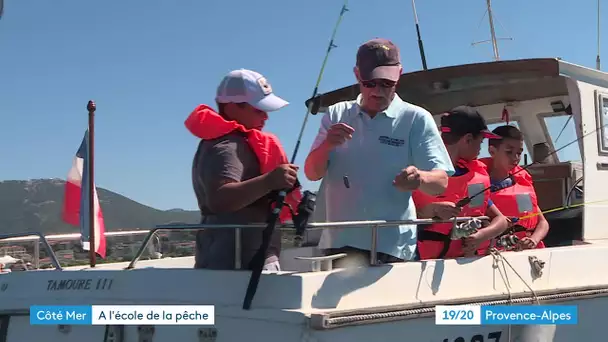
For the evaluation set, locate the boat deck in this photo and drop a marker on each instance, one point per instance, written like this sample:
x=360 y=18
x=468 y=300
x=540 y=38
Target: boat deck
x=164 y=263
x=181 y=262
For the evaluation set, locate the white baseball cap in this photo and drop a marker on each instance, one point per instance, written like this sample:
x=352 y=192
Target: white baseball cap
x=248 y=86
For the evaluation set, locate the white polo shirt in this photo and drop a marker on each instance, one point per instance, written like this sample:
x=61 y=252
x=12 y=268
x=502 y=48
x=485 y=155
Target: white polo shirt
x=403 y=135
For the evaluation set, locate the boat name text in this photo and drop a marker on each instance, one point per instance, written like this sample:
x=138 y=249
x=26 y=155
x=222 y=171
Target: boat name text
x=80 y=284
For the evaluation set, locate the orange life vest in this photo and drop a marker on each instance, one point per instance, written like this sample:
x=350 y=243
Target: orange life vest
x=206 y=124
x=434 y=240
x=518 y=201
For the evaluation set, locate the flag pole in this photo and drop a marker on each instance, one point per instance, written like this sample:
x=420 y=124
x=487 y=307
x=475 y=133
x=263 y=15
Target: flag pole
x=91 y=108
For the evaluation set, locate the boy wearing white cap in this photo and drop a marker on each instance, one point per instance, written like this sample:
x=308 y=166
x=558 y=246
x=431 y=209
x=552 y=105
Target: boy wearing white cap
x=226 y=173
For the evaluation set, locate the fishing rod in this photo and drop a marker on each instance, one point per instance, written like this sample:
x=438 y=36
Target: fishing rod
x=461 y=203
x=597 y=59
x=259 y=258
x=316 y=90
x=420 y=46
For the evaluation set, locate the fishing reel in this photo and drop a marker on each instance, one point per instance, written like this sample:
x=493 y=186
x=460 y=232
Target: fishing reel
x=302 y=215
x=508 y=242
x=465 y=229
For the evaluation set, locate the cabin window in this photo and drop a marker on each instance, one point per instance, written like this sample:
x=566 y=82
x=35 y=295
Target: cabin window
x=562 y=132
x=603 y=122
x=484 y=146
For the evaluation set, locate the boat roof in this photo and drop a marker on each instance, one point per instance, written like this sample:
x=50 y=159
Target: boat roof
x=440 y=89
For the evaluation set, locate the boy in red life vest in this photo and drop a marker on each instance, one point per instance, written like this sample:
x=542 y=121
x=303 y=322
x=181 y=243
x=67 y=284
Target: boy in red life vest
x=236 y=169
x=515 y=196
x=463 y=130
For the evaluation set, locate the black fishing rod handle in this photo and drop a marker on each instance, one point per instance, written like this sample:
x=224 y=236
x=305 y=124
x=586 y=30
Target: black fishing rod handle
x=463 y=202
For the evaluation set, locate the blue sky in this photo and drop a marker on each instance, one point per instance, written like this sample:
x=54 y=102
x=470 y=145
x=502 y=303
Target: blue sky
x=147 y=64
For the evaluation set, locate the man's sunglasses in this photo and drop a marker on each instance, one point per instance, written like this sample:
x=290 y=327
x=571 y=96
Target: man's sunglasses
x=381 y=83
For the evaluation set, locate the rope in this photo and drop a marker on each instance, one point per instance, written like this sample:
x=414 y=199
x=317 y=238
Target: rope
x=373 y=318
x=499 y=258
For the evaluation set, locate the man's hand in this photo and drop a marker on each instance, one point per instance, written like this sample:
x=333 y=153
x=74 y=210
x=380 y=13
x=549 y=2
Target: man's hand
x=408 y=179
x=315 y=166
x=283 y=177
x=338 y=134
x=445 y=210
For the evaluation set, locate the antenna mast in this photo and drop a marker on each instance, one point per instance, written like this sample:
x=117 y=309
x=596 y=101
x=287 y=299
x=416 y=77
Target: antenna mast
x=597 y=60
x=420 y=46
x=492 y=32
x=494 y=40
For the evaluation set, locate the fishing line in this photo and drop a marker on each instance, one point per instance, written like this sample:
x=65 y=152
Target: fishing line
x=260 y=256
x=508 y=237
x=563 y=207
x=461 y=203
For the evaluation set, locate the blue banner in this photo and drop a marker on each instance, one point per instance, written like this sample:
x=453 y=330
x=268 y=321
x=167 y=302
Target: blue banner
x=61 y=314
x=529 y=314
x=122 y=314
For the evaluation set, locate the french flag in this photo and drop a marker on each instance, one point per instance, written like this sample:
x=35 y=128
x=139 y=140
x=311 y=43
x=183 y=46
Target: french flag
x=76 y=202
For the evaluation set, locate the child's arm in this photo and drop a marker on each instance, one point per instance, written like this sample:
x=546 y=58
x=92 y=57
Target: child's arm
x=497 y=225
x=542 y=228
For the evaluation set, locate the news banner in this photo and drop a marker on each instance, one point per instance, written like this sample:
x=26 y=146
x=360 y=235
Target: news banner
x=123 y=314
x=205 y=314
x=506 y=314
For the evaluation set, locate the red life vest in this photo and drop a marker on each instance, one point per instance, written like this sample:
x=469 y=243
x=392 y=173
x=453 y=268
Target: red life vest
x=205 y=123
x=434 y=240
x=518 y=201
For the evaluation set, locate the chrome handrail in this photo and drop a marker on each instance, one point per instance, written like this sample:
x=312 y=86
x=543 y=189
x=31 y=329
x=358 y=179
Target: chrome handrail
x=39 y=236
x=311 y=226
x=74 y=236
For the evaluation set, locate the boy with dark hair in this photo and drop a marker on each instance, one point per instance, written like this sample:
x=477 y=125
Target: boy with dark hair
x=515 y=195
x=237 y=169
x=463 y=130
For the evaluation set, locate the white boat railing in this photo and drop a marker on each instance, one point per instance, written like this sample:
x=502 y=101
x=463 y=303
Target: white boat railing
x=33 y=236
x=74 y=236
x=375 y=225
x=38 y=237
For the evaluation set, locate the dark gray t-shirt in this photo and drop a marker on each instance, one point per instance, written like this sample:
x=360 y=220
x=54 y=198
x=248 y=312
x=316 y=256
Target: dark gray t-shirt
x=229 y=157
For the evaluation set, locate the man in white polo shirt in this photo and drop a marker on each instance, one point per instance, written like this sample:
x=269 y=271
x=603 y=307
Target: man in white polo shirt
x=372 y=152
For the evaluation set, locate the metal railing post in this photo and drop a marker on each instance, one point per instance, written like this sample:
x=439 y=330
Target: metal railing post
x=36 y=257
x=373 y=255
x=237 y=248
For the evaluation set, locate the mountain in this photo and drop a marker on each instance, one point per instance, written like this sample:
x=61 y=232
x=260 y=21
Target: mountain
x=35 y=205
